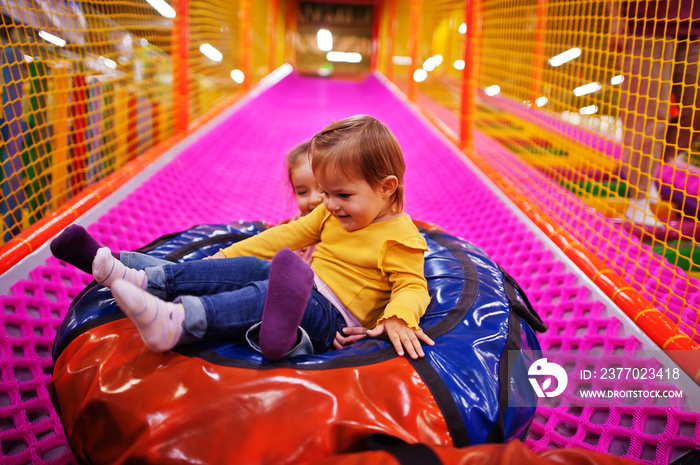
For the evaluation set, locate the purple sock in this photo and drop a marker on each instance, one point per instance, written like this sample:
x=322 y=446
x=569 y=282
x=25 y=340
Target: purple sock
x=289 y=288
x=77 y=247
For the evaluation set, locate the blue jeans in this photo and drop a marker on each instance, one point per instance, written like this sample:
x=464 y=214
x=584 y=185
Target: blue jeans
x=139 y=261
x=224 y=298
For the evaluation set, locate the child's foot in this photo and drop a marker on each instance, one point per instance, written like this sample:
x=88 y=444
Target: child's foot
x=76 y=246
x=159 y=322
x=288 y=291
x=106 y=268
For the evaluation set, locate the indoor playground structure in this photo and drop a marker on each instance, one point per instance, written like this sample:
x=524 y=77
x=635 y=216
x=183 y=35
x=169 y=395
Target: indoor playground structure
x=529 y=130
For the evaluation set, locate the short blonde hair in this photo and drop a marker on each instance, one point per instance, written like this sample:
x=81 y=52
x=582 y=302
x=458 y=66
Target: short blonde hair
x=359 y=147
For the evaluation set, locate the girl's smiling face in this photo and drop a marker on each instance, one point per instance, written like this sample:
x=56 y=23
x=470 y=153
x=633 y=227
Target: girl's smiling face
x=354 y=202
x=306 y=190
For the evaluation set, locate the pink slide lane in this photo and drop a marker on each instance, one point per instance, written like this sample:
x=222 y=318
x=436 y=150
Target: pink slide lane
x=235 y=171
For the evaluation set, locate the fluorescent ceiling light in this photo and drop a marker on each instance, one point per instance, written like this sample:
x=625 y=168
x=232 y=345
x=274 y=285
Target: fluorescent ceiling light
x=325 y=40
x=210 y=52
x=238 y=76
x=352 y=57
x=405 y=61
x=162 y=7
x=420 y=75
x=615 y=80
x=432 y=62
x=492 y=90
x=589 y=110
x=587 y=89
x=52 y=38
x=458 y=64
x=564 y=57
x=110 y=63
x=346 y=57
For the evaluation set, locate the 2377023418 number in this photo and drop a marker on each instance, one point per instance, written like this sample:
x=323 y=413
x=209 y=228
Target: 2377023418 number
x=658 y=374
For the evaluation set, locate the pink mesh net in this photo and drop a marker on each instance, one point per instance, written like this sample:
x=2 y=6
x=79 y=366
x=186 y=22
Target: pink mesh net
x=235 y=171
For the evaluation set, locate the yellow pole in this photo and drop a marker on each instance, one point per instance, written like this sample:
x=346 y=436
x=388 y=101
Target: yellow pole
x=390 y=36
x=121 y=117
x=59 y=144
x=272 y=34
x=413 y=47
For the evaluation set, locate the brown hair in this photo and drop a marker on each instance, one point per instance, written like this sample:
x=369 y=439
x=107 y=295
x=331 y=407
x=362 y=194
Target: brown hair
x=293 y=156
x=360 y=147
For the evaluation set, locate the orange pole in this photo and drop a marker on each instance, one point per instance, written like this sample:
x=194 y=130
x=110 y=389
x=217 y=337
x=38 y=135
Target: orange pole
x=78 y=147
x=538 y=54
x=180 y=53
x=390 y=40
x=470 y=76
x=246 y=40
x=374 y=51
x=155 y=118
x=413 y=47
x=272 y=34
x=132 y=126
x=291 y=32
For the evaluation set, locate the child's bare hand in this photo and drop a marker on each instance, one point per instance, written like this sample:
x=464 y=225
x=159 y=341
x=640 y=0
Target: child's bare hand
x=218 y=254
x=352 y=334
x=401 y=336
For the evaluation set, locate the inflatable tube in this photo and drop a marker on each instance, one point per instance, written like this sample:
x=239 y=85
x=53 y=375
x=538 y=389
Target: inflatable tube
x=221 y=402
x=387 y=450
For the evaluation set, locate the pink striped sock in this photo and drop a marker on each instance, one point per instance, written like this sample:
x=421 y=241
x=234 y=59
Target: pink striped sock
x=106 y=268
x=159 y=322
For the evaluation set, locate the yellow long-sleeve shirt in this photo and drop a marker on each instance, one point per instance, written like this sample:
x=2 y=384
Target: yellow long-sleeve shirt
x=376 y=271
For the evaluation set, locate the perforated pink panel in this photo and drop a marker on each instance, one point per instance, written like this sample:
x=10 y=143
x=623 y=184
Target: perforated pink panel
x=236 y=172
x=30 y=430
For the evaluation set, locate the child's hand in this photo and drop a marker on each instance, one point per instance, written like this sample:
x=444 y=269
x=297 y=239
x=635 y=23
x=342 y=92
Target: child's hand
x=218 y=254
x=354 y=333
x=402 y=336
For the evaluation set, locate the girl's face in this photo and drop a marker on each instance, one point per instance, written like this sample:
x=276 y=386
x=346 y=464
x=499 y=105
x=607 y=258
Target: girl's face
x=354 y=202
x=306 y=190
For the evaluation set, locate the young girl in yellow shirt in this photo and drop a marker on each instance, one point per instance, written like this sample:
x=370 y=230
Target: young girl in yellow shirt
x=366 y=273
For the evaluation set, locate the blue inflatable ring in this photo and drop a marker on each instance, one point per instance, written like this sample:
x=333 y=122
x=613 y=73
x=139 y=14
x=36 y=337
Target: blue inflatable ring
x=483 y=326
